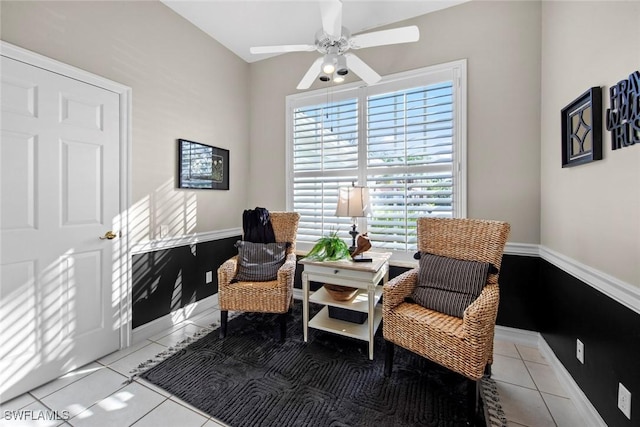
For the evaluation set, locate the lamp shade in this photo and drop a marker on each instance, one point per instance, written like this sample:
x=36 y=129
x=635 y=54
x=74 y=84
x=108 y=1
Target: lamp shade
x=353 y=201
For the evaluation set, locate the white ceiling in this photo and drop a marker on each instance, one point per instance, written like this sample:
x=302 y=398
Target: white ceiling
x=240 y=24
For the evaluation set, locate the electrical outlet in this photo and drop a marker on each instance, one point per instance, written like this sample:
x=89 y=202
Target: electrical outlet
x=580 y=351
x=624 y=400
x=209 y=277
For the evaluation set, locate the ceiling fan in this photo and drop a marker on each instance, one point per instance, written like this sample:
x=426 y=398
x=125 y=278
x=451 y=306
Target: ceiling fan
x=333 y=41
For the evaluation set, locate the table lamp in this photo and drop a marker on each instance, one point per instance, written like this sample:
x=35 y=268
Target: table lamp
x=354 y=202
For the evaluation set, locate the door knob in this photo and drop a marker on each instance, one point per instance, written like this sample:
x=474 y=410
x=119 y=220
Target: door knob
x=109 y=235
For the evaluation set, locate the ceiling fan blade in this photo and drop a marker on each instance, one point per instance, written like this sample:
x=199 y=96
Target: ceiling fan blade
x=311 y=74
x=282 y=49
x=385 y=37
x=365 y=72
x=331 y=12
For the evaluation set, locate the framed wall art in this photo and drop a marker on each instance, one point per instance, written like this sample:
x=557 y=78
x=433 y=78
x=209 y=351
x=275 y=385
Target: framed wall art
x=582 y=129
x=202 y=166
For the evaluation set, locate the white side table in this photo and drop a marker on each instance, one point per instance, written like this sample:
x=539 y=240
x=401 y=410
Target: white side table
x=362 y=275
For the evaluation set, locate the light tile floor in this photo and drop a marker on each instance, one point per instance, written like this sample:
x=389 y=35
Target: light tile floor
x=530 y=393
x=98 y=395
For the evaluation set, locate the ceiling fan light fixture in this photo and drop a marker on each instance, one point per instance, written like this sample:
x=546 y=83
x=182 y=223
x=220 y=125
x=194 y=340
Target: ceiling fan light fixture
x=333 y=42
x=341 y=66
x=329 y=63
x=328 y=68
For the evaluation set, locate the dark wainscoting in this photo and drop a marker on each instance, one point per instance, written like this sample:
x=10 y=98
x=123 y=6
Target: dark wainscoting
x=534 y=295
x=571 y=309
x=168 y=279
x=519 y=292
x=518 y=288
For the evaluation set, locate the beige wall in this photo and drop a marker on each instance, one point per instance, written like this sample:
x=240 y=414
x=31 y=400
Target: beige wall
x=185 y=85
x=501 y=41
x=590 y=213
x=524 y=66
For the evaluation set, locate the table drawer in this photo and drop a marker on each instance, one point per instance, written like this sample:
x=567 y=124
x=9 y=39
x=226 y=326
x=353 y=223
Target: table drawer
x=342 y=273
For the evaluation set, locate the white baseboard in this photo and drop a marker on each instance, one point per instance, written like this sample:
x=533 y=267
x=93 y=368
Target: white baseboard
x=517 y=336
x=154 y=327
x=583 y=405
x=534 y=339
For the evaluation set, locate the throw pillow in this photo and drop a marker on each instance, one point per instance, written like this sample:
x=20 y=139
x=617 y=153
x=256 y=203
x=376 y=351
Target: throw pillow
x=259 y=262
x=449 y=285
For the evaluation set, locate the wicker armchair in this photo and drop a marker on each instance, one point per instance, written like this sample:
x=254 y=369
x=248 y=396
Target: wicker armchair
x=265 y=297
x=461 y=345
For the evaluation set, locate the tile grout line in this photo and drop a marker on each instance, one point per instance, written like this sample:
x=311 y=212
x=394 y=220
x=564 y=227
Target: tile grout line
x=30 y=392
x=184 y=405
x=518 y=385
x=206 y=417
x=152 y=409
x=104 y=365
x=124 y=385
x=129 y=354
x=537 y=388
x=519 y=357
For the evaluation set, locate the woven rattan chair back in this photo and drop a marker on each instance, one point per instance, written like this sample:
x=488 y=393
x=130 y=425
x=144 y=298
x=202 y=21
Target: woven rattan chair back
x=285 y=227
x=462 y=238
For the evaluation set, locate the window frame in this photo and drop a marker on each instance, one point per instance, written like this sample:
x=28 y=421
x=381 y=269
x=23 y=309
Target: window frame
x=456 y=71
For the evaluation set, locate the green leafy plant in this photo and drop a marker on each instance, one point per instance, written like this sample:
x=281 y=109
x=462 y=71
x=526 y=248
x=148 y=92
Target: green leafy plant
x=329 y=248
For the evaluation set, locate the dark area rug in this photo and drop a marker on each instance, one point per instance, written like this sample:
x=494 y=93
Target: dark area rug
x=252 y=379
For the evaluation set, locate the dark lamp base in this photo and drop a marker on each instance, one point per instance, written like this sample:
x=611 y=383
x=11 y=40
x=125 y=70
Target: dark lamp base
x=354 y=234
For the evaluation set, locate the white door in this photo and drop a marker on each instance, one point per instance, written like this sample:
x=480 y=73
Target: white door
x=60 y=187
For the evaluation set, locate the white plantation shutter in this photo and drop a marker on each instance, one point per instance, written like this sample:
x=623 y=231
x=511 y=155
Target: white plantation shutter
x=326 y=137
x=403 y=138
x=409 y=161
x=316 y=200
x=397 y=200
x=325 y=158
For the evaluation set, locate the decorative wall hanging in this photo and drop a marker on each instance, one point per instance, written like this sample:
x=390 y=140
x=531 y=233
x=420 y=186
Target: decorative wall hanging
x=202 y=166
x=582 y=129
x=623 y=118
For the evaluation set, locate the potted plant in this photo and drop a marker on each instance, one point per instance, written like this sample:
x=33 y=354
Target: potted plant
x=333 y=248
x=329 y=248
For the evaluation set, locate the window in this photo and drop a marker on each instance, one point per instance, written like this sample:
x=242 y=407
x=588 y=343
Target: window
x=403 y=138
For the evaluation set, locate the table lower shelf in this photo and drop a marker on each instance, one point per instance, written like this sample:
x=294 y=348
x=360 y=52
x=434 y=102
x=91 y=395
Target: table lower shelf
x=323 y=322
x=360 y=302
